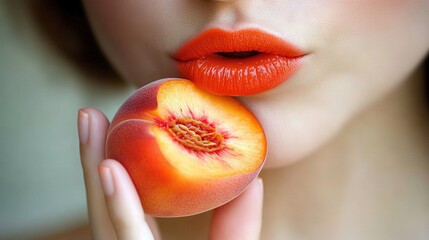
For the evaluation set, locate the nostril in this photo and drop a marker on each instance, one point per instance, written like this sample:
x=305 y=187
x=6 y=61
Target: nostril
x=244 y=54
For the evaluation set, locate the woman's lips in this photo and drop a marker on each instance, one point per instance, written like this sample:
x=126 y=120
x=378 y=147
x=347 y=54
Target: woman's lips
x=237 y=63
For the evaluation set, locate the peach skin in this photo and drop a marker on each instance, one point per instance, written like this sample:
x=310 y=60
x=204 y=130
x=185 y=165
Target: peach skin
x=187 y=151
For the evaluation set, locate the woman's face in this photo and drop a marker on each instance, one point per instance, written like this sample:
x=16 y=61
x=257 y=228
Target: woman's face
x=355 y=53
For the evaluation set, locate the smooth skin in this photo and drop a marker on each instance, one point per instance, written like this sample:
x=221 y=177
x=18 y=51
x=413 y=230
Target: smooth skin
x=114 y=208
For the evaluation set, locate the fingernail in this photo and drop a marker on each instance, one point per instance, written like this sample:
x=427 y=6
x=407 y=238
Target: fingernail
x=106 y=179
x=83 y=126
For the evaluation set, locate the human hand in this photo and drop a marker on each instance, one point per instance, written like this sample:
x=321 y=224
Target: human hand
x=114 y=207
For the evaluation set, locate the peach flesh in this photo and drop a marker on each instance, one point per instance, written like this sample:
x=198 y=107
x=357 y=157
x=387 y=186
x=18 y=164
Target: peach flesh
x=186 y=151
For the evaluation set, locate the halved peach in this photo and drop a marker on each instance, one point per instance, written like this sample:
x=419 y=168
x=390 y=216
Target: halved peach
x=186 y=151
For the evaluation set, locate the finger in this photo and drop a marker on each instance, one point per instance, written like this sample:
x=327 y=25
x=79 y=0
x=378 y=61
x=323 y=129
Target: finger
x=92 y=126
x=123 y=203
x=241 y=218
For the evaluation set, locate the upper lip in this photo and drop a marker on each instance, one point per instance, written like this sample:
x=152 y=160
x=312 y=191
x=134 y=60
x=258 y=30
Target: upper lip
x=217 y=40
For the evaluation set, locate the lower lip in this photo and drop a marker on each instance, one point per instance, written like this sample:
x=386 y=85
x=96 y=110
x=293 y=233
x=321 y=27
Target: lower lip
x=239 y=76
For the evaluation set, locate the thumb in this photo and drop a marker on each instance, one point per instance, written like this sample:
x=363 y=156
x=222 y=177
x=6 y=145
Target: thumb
x=241 y=218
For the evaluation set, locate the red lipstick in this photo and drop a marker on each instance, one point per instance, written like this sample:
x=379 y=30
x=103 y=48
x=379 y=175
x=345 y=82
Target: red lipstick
x=237 y=63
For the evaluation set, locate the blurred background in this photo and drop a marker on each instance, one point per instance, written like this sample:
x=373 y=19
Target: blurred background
x=49 y=68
